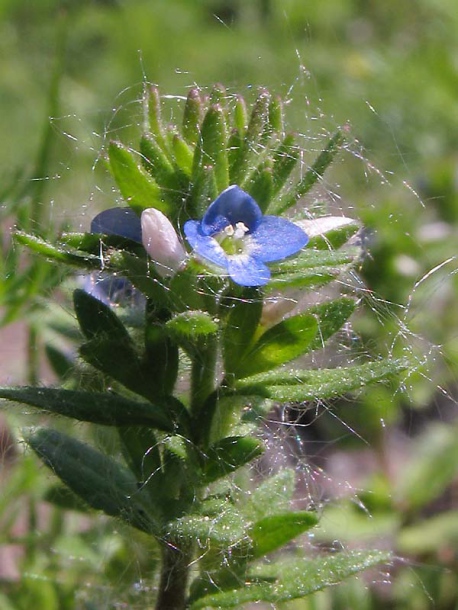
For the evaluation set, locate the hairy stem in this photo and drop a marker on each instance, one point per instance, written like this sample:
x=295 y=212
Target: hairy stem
x=203 y=376
x=174 y=577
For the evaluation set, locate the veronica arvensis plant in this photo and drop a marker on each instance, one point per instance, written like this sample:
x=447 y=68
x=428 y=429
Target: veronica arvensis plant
x=204 y=245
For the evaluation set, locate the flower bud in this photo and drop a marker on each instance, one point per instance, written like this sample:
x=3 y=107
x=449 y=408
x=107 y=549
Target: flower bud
x=325 y=224
x=161 y=242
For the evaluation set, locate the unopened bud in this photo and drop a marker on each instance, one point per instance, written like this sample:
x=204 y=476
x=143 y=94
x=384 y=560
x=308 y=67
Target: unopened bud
x=161 y=242
x=325 y=224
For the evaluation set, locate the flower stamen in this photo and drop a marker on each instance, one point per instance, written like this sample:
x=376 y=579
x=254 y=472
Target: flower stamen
x=231 y=238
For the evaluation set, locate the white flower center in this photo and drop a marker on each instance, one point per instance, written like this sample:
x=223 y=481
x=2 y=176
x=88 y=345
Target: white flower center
x=231 y=238
x=236 y=232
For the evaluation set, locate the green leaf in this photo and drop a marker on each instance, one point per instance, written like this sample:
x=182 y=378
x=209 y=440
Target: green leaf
x=234 y=414
x=329 y=232
x=429 y=536
x=315 y=173
x=285 y=159
x=272 y=496
x=97 y=318
x=140 y=448
x=274 y=531
x=177 y=445
x=301 y=385
x=259 y=128
x=309 y=278
x=211 y=147
x=153 y=120
x=346 y=522
x=234 y=150
x=157 y=163
x=228 y=455
x=295 y=578
x=240 y=115
x=331 y=316
x=118 y=360
x=279 y=344
x=432 y=467
x=243 y=154
x=313 y=259
x=276 y=118
x=183 y=155
x=260 y=185
x=203 y=191
x=218 y=95
x=93 y=242
x=140 y=273
x=137 y=187
x=64 y=498
x=312 y=268
x=192 y=116
x=225 y=529
x=100 y=481
x=98 y=408
x=57 y=254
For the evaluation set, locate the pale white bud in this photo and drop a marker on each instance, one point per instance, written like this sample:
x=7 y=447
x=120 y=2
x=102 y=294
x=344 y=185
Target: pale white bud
x=320 y=226
x=161 y=242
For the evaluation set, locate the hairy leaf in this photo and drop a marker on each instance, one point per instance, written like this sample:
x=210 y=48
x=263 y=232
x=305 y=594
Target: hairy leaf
x=295 y=579
x=274 y=531
x=227 y=455
x=96 y=318
x=137 y=187
x=59 y=254
x=314 y=174
x=303 y=385
x=281 y=343
x=98 y=408
x=96 y=478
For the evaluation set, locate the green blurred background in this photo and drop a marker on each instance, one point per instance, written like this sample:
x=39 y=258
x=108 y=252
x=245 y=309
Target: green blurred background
x=71 y=78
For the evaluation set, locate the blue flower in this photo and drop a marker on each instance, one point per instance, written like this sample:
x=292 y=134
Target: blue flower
x=112 y=289
x=234 y=235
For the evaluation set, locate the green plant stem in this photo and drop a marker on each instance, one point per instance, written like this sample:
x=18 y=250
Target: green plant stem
x=174 y=577
x=176 y=557
x=203 y=374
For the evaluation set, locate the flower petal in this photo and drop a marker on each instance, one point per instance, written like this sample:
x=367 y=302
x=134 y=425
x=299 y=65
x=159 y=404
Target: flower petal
x=118 y=221
x=204 y=245
x=248 y=271
x=276 y=238
x=232 y=206
x=112 y=290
